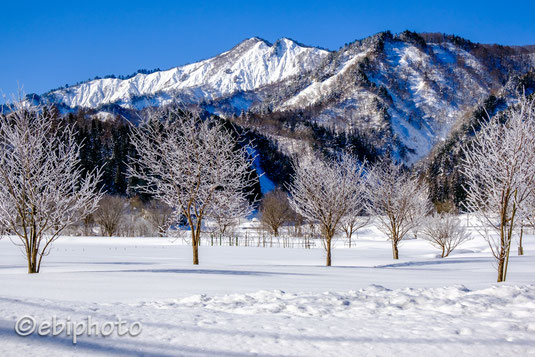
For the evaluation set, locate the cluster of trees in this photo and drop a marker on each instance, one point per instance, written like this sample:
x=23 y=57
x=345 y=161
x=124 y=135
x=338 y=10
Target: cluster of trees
x=342 y=194
x=106 y=145
x=497 y=167
x=195 y=167
x=198 y=169
x=486 y=167
x=121 y=216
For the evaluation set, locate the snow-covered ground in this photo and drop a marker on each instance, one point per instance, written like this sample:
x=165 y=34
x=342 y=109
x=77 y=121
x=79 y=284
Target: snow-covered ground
x=246 y=301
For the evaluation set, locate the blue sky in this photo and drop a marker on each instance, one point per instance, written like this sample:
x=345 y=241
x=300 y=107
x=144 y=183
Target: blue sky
x=48 y=44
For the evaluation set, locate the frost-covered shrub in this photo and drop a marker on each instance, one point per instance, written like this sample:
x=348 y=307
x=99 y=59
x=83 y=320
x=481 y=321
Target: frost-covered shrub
x=444 y=231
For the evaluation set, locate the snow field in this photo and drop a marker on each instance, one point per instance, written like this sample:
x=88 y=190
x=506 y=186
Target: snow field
x=254 y=301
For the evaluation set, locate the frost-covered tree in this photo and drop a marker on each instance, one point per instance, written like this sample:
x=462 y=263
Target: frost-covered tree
x=445 y=232
x=499 y=167
x=227 y=213
x=194 y=166
x=42 y=187
x=352 y=223
x=325 y=191
x=398 y=200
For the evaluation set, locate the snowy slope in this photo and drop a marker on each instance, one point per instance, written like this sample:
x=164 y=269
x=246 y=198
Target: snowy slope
x=250 y=65
x=405 y=91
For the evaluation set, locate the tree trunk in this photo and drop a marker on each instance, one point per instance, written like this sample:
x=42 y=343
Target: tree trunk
x=195 y=254
x=195 y=246
x=31 y=267
x=520 y=247
x=501 y=261
x=443 y=251
x=395 y=253
x=506 y=265
x=328 y=246
x=32 y=263
x=501 y=265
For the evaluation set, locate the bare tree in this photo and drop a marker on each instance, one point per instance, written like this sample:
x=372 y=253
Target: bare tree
x=399 y=200
x=87 y=224
x=352 y=223
x=192 y=165
x=324 y=191
x=43 y=189
x=227 y=213
x=110 y=211
x=158 y=215
x=499 y=167
x=444 y=231
x=296 y=224
x=275 y=210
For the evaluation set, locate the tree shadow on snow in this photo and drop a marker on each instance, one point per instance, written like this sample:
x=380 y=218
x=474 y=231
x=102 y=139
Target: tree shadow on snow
x=131 y=346
x=203 y=271
x=440 y=261
x=125 y=346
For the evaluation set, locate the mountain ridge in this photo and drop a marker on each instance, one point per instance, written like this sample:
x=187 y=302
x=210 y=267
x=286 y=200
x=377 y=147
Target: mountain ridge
x=209 y=78
x=403 y=92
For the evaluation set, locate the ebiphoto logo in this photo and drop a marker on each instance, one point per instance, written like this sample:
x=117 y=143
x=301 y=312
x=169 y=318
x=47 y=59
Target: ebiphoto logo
x=28 y=325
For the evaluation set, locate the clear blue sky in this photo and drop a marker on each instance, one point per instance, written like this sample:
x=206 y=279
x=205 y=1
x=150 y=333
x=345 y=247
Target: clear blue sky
x=47 y=44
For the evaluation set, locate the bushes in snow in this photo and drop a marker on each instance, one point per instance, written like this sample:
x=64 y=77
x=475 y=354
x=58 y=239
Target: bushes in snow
x=110 y=213
x=444 y=231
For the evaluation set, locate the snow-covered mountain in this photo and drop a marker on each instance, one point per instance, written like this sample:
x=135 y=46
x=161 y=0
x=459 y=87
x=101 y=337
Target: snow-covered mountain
x=401 y=92
x=251 y=64
x=404 y=90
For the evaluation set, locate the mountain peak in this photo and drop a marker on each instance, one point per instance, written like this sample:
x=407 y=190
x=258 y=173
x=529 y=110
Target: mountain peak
x=251 y=64
x=250 y=42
